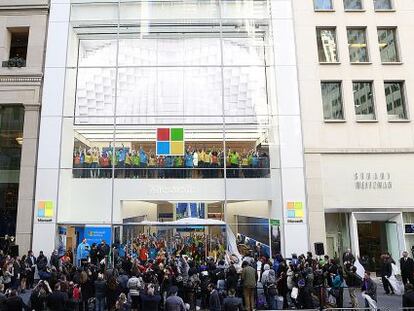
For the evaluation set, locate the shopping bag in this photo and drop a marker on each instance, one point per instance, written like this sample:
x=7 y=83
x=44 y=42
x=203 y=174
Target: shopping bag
x=395 y=269
x=371 y=302
x=294 y=293
x=396 y=284
x=360 y=269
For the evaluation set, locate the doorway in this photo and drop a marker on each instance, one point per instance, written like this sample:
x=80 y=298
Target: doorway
x=378 y=234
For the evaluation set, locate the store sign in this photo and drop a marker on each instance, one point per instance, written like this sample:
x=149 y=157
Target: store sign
x=171 y=190
x=170 y=141
x=97 y=234
x=372 y=181
x=45 y=211
x=295 y=212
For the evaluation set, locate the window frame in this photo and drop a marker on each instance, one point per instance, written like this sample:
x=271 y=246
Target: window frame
x=392 y=9
x=324 y=10
x=334 y=28
x=374 y=102
x=340 y=82
x=365 y=29
x=397 y=45
x=404 y=99
x=362 y=9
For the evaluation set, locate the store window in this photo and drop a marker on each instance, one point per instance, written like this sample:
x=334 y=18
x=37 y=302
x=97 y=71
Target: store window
x=380 y=5
x=11 y=140
x=327 y=48
x=395 y=98
x=364 y=101
x=387 y=40
x=332 y=101
x=353 y=5
x=171 y=67
x=357 y=43
x=323 y=4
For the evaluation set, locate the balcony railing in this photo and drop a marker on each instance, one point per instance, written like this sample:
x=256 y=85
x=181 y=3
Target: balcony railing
x=14 y=62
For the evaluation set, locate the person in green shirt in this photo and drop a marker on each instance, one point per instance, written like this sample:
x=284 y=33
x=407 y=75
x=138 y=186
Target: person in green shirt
x=234 y=163
x=135 y=164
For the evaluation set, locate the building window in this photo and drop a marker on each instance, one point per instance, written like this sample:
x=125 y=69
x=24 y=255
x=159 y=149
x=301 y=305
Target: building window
x=332 y=100
x=18 y=47
x=364 y=101
x=383 y=5
x=387 y=40
x=396 y=105
x=353 y=5
x=357 y=43
x=327 y=49
x=323 y=4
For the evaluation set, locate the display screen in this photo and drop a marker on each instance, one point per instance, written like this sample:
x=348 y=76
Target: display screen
x=409 y=228
x=254 y=228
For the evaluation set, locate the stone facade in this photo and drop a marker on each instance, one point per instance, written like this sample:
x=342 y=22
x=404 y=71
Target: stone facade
x=23 y=86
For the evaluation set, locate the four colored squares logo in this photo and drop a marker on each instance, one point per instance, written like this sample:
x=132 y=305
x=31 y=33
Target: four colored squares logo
x=170 y=141
x=45 y=209
x=295 y=209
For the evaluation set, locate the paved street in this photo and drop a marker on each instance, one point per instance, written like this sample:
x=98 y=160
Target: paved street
x=385 y=302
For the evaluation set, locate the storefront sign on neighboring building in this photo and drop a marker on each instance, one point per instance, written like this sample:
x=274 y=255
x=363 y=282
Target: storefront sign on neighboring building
x=372 y=180
x=295 y=212
x=45 y=211
x=170 y=141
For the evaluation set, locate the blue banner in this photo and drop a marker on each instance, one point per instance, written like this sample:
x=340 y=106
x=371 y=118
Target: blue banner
x=97 y=234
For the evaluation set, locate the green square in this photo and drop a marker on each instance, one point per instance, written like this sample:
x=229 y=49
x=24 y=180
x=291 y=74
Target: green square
x=49 y=204
x=177 y=134
x=298 y=205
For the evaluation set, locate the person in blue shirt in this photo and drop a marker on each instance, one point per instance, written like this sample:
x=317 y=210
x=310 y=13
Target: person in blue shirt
x=188 y=163
x=121 y=155
x=169 y=163
x=255 y=164
x=82 y=252
x=143 y=159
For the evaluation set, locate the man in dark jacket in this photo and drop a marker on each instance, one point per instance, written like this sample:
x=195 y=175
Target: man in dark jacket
x=57 y=300
x=214 y=300
x=386 y=271
x=41 y=262
x=353 y=281
x=173 y=302
x=407 y=268
x=232 y=303
x=100 y=293
x=408 y=297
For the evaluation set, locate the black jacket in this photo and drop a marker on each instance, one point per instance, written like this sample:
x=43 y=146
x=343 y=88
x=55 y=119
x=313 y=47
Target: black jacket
x=150 y=303
x=100 y=288
x=232 y=304
x=214 y=301
x=57 y=301
x=14 y=304
x=407 y=266
x=408 y=300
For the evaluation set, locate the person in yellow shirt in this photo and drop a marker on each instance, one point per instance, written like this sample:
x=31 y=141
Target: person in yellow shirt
x=95 y=163
x=201 y=162
x=88 y=164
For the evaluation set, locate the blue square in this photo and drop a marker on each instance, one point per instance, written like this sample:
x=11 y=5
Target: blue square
x=291 y=214
x=41 y=212
x=163 y=147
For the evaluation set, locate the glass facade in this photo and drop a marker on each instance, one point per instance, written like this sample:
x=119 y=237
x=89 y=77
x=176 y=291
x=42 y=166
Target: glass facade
x=364 y=101
x=323 y=4
x=327 y=49
x=353 y=5
x=11 y=139
x=383 y=5
x=357 y=43
x=387 y=40
x=395 y=97
x=169 y=103
x=332 y=100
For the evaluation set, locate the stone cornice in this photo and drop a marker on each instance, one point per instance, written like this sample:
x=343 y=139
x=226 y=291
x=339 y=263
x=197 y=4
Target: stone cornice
x=21 y=79
x=18 y=10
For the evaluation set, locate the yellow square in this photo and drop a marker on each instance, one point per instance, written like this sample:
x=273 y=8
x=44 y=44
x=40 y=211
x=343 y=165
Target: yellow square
x=299 y=213
x=298 y=205
x=177 y=148
x=49 y=209
x=290 y=205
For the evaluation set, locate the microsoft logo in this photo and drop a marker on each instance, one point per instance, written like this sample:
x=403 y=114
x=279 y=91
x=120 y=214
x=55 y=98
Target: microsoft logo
x=170 y=141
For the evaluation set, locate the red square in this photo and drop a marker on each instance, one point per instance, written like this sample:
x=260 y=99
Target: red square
x=163 y=134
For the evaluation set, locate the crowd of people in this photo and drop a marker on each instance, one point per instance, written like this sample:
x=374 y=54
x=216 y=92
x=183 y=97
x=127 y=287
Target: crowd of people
x=195 y=163
x=150 y=277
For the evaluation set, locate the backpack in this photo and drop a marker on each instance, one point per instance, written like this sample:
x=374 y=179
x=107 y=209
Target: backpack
x=261 y=302
x=272 y=289
x=76 y=294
